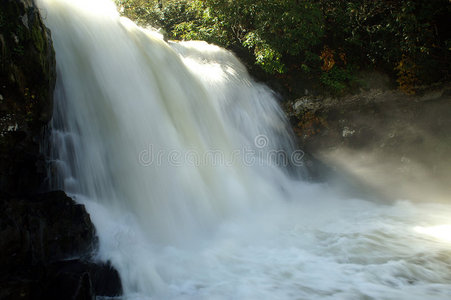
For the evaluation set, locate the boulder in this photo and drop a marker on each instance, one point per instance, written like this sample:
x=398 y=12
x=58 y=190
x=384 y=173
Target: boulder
x=47 y=242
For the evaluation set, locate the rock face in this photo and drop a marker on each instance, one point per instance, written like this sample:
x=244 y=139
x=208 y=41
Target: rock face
x=43 y=228
x=27 y=80
x=47 y=241
x=396 y=144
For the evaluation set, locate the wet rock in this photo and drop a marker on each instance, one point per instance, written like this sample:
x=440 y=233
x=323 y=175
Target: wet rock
x=396 y=144
x=46 y=246
x=27 y=77
x=43 y=228
x=78 y=279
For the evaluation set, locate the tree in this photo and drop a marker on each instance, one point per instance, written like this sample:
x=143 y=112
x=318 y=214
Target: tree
x=324 y=41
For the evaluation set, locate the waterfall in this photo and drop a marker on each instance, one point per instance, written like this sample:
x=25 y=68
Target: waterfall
x=185 y=165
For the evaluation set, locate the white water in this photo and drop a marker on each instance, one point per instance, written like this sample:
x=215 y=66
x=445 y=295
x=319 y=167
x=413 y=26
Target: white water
x=135 y=118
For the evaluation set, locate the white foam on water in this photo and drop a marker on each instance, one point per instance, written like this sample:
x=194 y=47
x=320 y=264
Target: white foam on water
x=174 y=150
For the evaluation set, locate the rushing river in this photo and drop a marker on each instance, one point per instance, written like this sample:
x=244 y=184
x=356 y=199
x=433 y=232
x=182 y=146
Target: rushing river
x=189 y=172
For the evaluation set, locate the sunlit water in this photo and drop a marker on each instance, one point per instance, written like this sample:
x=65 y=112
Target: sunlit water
x=170 y=147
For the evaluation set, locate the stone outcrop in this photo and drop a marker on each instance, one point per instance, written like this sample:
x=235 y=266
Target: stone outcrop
x=385 y=140
x=27 y=81
x=47 y=242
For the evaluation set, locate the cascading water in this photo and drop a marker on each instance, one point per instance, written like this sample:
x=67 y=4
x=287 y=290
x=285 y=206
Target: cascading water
x=180 y=159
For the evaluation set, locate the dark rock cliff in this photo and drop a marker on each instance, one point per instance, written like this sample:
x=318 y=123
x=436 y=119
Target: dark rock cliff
x=27 y=77
x=46 y=239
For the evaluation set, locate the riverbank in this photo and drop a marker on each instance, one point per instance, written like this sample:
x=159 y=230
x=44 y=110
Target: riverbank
x=380 y=138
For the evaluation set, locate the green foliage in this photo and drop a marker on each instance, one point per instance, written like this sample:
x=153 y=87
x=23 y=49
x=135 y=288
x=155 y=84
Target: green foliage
x=202 y=25
x=143 y=12
x=271 y=29
x=338 y=79
x=385 y=34
x=265 y=55
x=324 y=41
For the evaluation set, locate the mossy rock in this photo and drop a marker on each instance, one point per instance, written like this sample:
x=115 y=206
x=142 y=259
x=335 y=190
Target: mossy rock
x=27 y=76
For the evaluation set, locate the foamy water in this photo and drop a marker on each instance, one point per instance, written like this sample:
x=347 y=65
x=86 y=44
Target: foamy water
x=181 y=160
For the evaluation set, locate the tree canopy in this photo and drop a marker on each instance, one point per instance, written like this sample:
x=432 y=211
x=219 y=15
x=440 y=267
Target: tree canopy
x=323 y=41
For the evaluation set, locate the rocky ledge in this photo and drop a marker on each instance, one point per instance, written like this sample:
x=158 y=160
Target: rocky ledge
x=381 y=139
